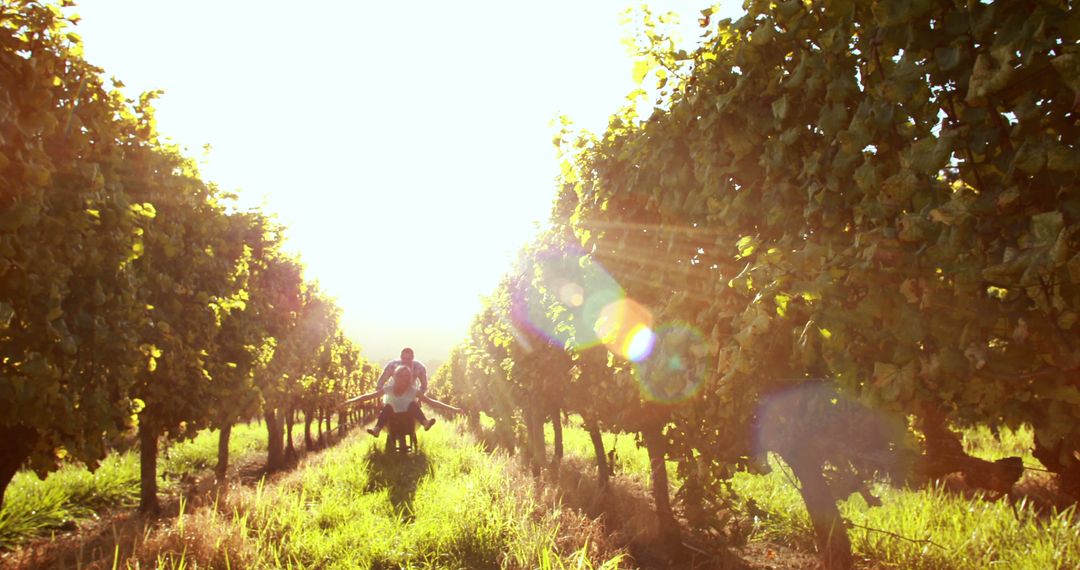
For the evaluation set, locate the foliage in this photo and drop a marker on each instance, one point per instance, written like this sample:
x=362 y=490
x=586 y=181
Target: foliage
x=866 y=211
x=68 y=235
x=72 y=495
x=133 y=291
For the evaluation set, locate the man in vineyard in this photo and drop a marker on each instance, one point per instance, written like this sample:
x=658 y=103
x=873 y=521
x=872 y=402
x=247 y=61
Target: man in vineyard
x=417 y=368
x=402 y=397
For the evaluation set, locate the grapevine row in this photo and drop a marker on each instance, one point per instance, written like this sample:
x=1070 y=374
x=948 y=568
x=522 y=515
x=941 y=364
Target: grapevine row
x=132 y=294
x=847 y=229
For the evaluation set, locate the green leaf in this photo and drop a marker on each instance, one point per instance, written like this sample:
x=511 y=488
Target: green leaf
x=1030 y=158
x=834 y=118
x=1046 y=227
x=763 y=34
x=898 y=12
x=954 y=211
x=782 y=304
x=55 y=312
x=745 y=245
x=6 y=315
x=900 y=186
x=947 y=58
x=1074 y=269
x=884 y=373
x=1068 y=67
x=930 y=154
x=1063 y=159
x=866 y=177
x=780 y=107
x=1067 y=394
x=989 y=76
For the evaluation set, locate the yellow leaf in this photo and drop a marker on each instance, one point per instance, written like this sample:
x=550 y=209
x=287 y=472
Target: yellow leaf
x=642 y=68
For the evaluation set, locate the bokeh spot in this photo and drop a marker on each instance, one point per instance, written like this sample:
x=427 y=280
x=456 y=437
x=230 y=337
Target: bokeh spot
x=677 y=364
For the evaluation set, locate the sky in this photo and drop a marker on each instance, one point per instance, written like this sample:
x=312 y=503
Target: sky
x=406 y=146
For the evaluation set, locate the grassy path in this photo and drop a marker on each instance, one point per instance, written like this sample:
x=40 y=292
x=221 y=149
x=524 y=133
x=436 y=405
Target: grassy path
x=449 y=506
x=452 y=505
x=455 y=505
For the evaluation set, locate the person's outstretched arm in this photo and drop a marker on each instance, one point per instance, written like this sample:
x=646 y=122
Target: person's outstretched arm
x=438 y=404
x=364 y=397
x=386 y=373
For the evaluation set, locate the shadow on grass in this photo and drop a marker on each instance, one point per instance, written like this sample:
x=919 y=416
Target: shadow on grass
x=401 y=474
x=118 y=532
x=627 y=513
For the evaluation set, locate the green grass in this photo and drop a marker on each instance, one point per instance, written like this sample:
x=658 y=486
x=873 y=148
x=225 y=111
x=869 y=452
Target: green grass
x=200 y=453
x=981 y=442
x=941 y=529
x=452 y=505
x=33 y=507
x=965 y=533
x=630 y=460
x=455 y=505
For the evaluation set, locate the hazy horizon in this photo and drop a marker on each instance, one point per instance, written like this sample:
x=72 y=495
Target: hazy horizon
x=407 y=172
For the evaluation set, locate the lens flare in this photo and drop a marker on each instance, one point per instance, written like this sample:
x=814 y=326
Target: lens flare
x=625 y=328
x=572 y=295
x=816 y=414
x=640 y=344
x=579 y=286
x=677 y=365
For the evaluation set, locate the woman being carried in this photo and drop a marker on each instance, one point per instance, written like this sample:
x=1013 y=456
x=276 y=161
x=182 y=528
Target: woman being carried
x=401 y=397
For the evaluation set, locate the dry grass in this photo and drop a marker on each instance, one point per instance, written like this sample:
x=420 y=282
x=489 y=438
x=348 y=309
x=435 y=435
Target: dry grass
x=194 y=525
x=314 y=514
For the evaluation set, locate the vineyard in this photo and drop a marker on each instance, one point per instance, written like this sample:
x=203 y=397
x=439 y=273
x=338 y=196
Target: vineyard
x=844 y=242
x=134 y=296
x=846 y=231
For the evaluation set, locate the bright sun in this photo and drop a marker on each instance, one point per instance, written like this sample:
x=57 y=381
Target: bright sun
x=406 y=147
